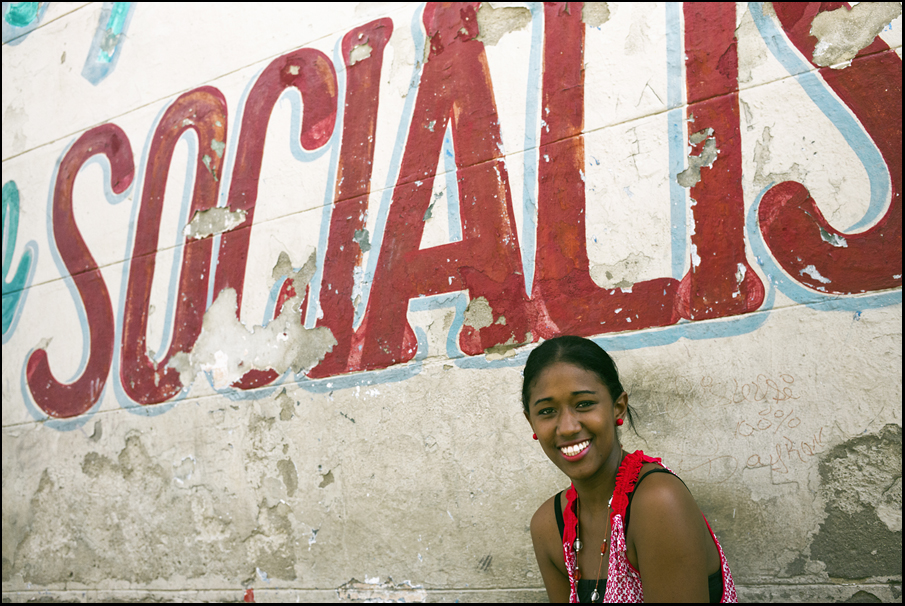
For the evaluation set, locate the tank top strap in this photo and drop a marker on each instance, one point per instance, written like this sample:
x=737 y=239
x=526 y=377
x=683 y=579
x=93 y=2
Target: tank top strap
x=557 y=507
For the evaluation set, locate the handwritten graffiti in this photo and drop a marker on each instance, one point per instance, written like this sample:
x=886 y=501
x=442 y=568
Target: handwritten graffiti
x=763 y=388
x=455 y=95
x=786 y=451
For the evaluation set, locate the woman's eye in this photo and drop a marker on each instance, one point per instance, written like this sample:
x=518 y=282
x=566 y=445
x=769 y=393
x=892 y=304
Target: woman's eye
x=545 y=411
x=586 y=403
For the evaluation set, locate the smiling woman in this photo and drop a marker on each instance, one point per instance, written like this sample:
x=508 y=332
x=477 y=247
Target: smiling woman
x=574 y=401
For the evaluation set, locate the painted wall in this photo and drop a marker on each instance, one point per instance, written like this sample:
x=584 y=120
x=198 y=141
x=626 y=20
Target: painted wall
x=271 y=273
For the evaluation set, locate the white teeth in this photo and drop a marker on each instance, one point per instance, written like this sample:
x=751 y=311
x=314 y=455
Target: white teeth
x=571 y=451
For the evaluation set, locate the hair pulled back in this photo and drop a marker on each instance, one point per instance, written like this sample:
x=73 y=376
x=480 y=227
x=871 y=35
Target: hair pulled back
x=579 y=351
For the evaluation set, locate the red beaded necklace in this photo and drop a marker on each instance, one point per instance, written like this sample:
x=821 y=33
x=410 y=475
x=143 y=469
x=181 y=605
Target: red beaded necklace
x=577 y=545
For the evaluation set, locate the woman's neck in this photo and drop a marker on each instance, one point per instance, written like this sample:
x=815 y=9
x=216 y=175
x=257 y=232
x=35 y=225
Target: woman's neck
x=595 y=492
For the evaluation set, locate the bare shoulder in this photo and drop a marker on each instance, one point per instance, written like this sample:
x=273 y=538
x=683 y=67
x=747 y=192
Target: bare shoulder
x=662 y=501
x=669 y=541
x=543 y=525
x=661 y=490
x=548 y=551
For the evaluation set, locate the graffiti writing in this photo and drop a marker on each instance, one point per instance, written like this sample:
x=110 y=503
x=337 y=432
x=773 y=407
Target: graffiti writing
x=786 y=451
x=762 y=389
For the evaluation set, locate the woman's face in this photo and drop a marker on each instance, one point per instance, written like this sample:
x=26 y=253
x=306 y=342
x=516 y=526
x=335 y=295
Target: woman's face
x=574 y=417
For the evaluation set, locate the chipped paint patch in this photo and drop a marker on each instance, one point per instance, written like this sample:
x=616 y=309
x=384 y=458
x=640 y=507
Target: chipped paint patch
x=226 y=349
x=505 y=350
x=478 y=314
x=361 y=237
x=213 y=221
x=595 y=14
x=835 y=240
x=494 y=23
x=692 y=175
x=359 y=52
x=218 y=147
x=810 y=270
x=842 y=33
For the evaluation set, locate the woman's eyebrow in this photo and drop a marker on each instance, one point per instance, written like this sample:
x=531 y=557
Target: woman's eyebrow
x=542 y=400
x=574 y=393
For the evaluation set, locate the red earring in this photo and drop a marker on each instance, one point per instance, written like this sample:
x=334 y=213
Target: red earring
x=619 y=422
x=534 y=435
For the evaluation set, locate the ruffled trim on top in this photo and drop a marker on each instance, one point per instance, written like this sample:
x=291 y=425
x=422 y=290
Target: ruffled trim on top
x=570 y=531
x=569 y=517
x=626 y=477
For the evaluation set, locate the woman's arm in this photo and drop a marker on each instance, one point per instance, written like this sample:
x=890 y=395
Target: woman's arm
x=671 y=541
x=545 y=536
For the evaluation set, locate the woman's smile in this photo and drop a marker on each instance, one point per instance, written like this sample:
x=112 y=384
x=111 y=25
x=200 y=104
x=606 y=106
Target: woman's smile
x=574 y=452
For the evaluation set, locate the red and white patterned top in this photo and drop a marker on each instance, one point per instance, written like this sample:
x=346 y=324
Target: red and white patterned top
x=623 y=581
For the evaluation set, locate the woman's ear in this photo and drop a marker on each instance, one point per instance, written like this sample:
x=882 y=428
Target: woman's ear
x=620 y=406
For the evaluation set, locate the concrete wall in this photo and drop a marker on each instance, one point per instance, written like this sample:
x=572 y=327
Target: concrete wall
x=271 y=273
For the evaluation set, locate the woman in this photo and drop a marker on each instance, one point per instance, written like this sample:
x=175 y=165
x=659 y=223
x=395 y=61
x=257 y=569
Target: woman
x=625 y=509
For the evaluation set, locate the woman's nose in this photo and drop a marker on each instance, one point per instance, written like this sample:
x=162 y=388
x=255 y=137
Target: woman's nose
x=568 y=422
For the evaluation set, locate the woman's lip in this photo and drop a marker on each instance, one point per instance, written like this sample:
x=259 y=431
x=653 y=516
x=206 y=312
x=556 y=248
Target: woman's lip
x=579 y=455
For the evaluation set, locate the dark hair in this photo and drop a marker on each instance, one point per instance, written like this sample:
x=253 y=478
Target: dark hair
x=581 y=352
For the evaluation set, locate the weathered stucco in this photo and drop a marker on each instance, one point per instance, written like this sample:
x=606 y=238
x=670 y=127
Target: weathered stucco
x=269 y=286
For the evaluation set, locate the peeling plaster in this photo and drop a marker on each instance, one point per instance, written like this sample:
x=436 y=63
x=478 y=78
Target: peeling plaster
x=507 y=349
x=359 y=52
x=692 y=175
x=752 y=53
x=595 y=14
x=282 y=268
x=622 y=274
x=837 y=241
x=762 y=158
x=227 y=349
x=749 y=117
x=890 y=508
x=361 y=237
x=812 y=271
x=638 y=37
x=842 y=33
x=372 y=590
x=495 y=21
x=213 y=221
x=326 y=480
x=478 y=314
x=861 y=536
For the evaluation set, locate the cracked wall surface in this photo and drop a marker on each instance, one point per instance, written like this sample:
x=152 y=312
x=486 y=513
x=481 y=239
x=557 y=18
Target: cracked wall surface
x=269 y=288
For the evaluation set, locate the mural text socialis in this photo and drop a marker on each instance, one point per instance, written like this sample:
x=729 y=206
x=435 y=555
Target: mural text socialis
x=456 y=93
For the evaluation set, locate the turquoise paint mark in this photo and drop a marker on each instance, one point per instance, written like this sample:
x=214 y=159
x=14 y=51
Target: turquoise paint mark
x=20 y=19
x=14 y=290
x=21 y=14
x=108 y=40
x=113 y=31
x=833 y=109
